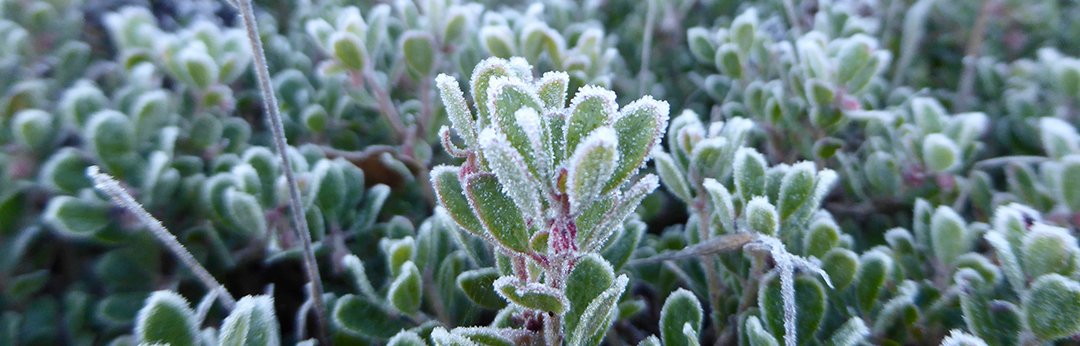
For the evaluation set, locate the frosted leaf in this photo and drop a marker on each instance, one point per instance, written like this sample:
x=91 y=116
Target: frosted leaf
x=949 y=235
x=1059 y=138
x=749 y=172
x=598 y=316
x=786 y=264
x=723 y=208
x=552 y=88
x=532 y=295
x=537 y=134
x=893 y=309
x=627 y=203
x=959 y=338
x=485 y=335
x=762 y=217
x=513 y=173
x=356 y=268
x=591 y=108
x=441 y=337
x=591 y=166
x=456 y=109
x=448 y=144
x=480 y=82
x=1014 y=218
x=851 y=333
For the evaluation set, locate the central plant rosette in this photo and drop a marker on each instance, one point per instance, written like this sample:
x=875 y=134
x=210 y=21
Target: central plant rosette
x=545 y=183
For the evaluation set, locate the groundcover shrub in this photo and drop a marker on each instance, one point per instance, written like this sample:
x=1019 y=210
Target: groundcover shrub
x=620 y=172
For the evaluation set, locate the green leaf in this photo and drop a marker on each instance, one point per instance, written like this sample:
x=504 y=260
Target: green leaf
x=398 y=252
x=456 y=109
x=757 y=334
x=251 y=323
x=405 y=291
x=349 y=50
x=361 y=316
x=1052 y=307
x=452 y=197
x=723 y=209
x=590 y=277
x=497 y=212
x=418 y=47
x=949 y=235
x=246 y=213
x=851 y=333
x=441 y=338
x=498 y=40
x=598 y=316
x=620 y=250
x=874 y=269
x=681 y=307
x=111 y=135
x=743 y=29
x=728 y=60
x=822 y=236
x=700 y=45
x=532 y=295
x=810 y=301
x=940 y=153
x=796 y=189
x=406 y=338
x=479 y=286
x=841 y=266
x=552 y=89
x=166 y=319
x=513 y=172
x=749 y=173
x=1048 y=249
x=486 y=71
x=590 y=167
x=674 y=179
x=639 y=127
x=198 y=67
x=32 y=128
x=484 y=336
x=819 y=94
x=1070 y=182
x=591 y=108
x=75 y=217
x=762 y=217
x=65 y=170
x=23 y=287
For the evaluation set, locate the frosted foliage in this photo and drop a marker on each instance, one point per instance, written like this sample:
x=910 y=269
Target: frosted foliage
x=959 y=338
x=512 y=171
x=591 y=166
x=786 y=263
x=456 y=109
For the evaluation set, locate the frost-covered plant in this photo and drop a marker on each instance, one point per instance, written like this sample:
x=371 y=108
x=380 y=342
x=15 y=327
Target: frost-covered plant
x=547 y=185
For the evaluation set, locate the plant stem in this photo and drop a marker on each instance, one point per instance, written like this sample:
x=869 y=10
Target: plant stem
x=119 y=196
x=271 y=105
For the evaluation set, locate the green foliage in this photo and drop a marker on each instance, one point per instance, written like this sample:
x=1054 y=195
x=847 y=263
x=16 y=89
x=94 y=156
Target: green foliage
x=920 y=157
